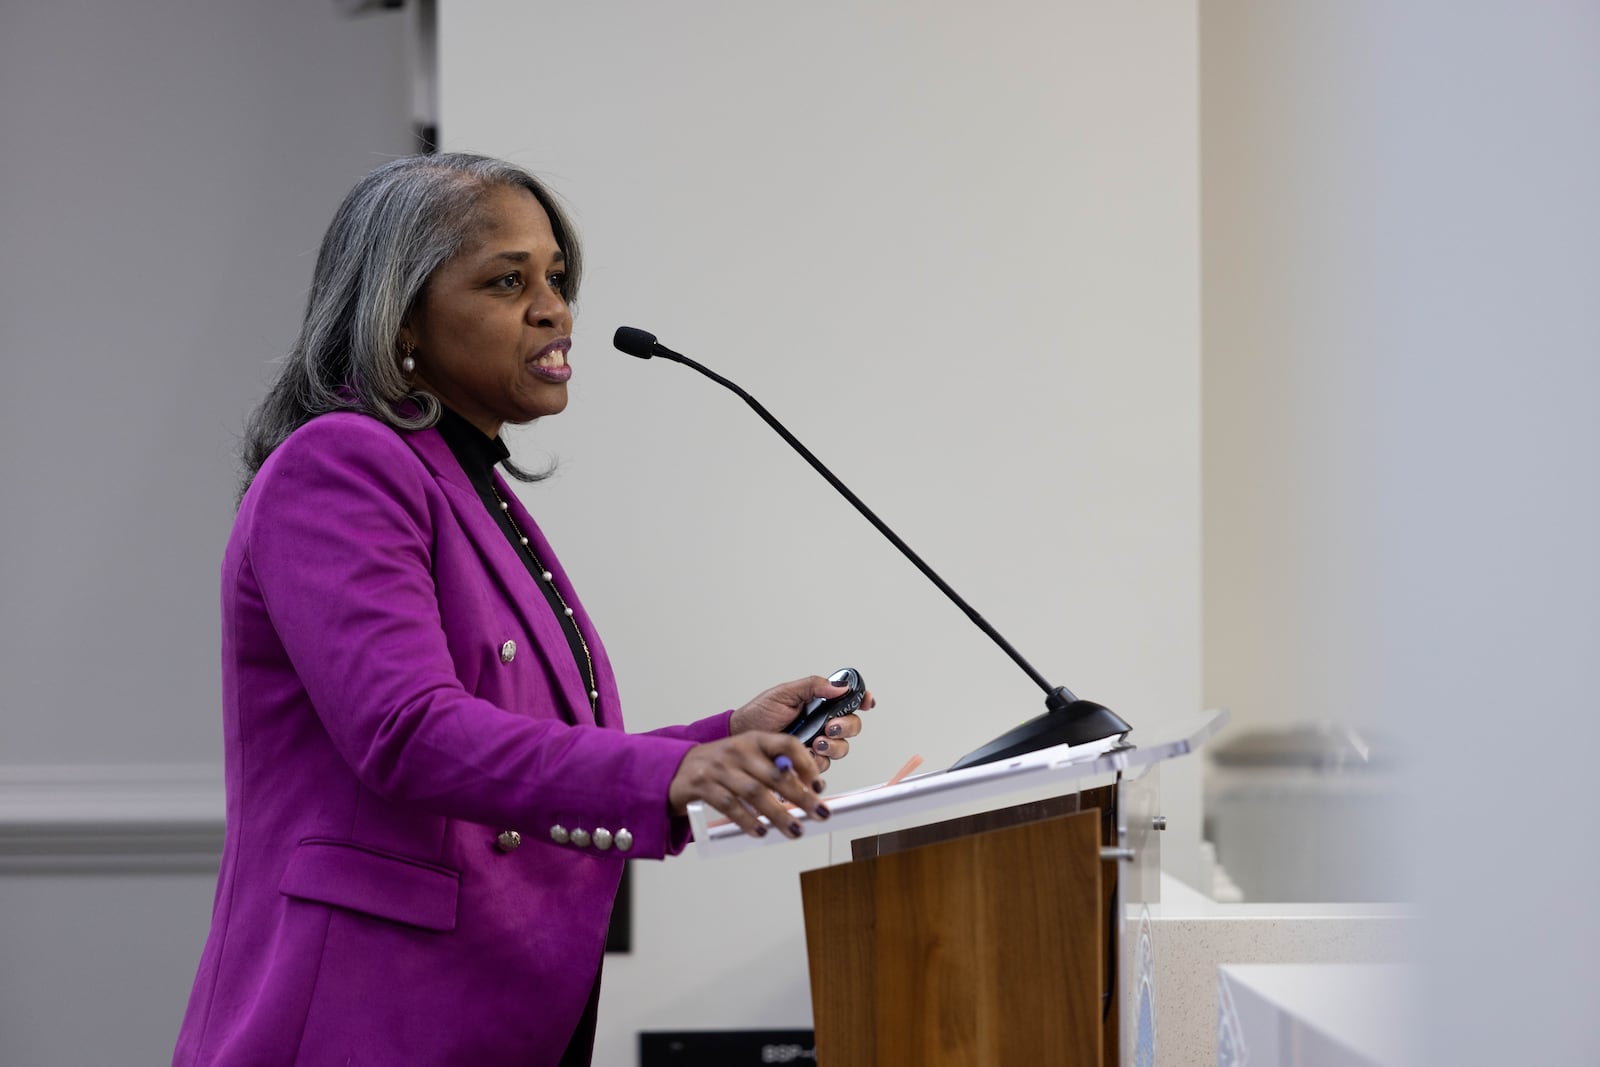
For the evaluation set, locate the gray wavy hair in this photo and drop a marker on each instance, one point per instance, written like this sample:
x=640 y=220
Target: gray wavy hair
x=394 y=229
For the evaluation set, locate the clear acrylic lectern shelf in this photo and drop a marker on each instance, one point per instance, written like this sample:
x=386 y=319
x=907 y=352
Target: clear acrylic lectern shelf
x=988 y=915
x=937 y=795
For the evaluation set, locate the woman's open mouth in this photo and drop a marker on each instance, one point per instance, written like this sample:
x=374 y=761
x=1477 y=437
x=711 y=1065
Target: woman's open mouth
x=551 y=362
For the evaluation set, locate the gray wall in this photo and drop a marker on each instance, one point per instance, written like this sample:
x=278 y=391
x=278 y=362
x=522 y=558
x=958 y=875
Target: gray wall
x=166 y=169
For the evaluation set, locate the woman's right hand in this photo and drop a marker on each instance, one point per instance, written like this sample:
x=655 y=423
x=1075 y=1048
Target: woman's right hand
x=750 y=775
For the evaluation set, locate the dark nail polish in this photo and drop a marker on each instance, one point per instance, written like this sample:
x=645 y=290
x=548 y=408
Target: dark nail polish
x=819 y=785
x=822 y=811
x=819 y=745
x=795 y=829
x=761 y=830
x=834 y=730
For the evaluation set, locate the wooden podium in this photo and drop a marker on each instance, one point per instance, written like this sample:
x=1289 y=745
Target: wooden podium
x=986 y=932
x=986 y=927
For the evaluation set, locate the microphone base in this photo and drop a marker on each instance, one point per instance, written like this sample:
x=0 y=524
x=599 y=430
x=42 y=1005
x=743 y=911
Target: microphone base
x=1069 y=721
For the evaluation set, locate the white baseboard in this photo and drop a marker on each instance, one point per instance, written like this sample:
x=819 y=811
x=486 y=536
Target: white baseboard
x=110 y=817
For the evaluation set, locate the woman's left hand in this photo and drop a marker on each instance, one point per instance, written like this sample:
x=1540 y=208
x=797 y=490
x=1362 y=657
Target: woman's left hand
x=778 y=707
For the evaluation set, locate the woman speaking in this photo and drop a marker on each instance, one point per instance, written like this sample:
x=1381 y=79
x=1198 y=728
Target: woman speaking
x=430 y=794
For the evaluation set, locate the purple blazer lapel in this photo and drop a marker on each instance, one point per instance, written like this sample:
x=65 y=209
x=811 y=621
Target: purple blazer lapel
x=609 y=704
x=511 y=574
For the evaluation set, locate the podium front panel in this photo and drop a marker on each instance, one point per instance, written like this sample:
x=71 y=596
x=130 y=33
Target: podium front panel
x=987 y=949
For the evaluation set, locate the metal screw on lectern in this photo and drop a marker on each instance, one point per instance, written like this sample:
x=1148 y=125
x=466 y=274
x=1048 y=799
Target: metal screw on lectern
x=1159 y=822
x=1124 y=854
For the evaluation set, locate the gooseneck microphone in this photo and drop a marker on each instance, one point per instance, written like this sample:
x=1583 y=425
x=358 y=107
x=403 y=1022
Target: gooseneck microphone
x=1067 y=719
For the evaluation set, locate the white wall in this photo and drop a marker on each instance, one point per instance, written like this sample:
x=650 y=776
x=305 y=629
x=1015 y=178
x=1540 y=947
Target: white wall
x=1293 y=375
x=166 y=169
x=954 y=248
x=1402 y=358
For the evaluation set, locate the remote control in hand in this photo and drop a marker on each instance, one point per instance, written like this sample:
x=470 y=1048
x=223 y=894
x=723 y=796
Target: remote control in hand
x=814 y=718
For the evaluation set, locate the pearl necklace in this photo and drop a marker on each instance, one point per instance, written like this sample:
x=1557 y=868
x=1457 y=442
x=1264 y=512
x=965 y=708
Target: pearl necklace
x=550 y=580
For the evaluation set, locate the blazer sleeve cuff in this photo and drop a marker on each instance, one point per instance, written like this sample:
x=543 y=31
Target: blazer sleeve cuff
x=711 y=728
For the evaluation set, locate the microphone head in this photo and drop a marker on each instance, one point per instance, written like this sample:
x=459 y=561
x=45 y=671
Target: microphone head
x=634 y=341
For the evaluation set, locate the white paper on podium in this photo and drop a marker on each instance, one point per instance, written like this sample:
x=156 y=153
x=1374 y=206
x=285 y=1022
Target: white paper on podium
x=715 y=835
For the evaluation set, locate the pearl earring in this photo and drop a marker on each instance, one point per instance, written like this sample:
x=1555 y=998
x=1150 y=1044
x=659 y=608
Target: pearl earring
x=408 y=365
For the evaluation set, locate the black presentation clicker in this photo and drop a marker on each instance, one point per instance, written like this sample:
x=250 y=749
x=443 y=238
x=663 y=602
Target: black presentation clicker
x=810 y=722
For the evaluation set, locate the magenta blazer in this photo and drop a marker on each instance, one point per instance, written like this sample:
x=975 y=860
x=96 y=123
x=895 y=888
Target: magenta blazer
x=396 y=695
